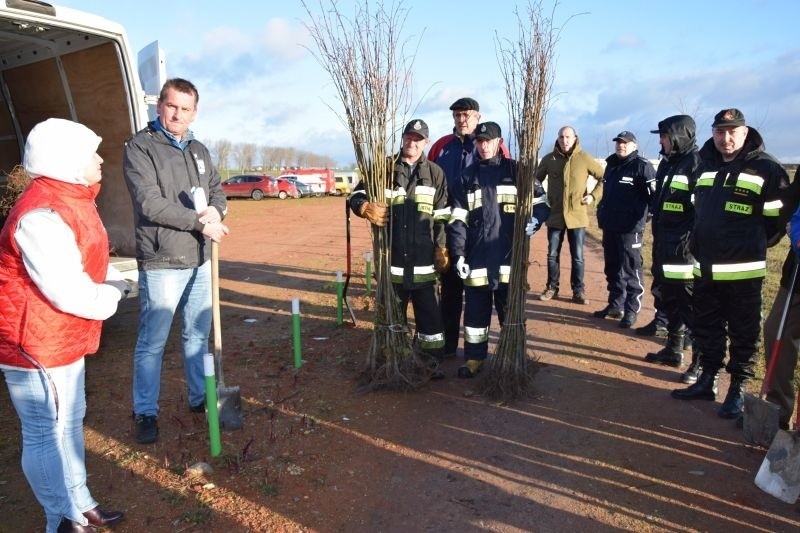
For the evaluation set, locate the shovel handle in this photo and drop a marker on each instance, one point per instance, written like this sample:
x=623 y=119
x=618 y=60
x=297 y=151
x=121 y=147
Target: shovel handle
x=215 y=314
x=776 y=345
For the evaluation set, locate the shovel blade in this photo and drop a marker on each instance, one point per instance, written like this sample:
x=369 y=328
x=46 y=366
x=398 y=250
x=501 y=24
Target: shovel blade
x=779 y=474
x=761 y=419
x=229 y=405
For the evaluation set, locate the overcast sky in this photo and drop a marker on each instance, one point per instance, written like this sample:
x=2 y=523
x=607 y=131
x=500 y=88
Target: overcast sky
x=620 y=65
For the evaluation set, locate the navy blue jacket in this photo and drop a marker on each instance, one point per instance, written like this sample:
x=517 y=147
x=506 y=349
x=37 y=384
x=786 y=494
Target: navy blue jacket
x=481 y=226
x=628 y=184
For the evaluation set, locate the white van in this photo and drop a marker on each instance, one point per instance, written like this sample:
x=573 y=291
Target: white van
x=312 y=180
x=59 y=62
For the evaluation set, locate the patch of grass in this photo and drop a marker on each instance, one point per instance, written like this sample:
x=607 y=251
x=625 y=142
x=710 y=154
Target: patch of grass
x=196 y=516
x=173 y=498
x=267 y=489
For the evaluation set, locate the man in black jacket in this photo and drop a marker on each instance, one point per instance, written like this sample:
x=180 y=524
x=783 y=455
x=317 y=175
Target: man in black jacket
x=628 y=184
x=737 y=206
x=178 y=206
x=418 y=216
x=673 y=218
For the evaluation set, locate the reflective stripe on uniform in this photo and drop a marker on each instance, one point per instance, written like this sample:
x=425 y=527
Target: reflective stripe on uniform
x=506 y=194
x=423 y=195
x=738 y=271
x=751 y=182
x=475 y=200
x=431 y=342
x=477 y=278
x=680 y=272
x=505 y=273
x=773 y=208
x=706 y=179
x=442 y=214
x=679 y=182
x=421 y=274
x=735 y=271
x=396 y=197
x=476 y=335
x=458 y=214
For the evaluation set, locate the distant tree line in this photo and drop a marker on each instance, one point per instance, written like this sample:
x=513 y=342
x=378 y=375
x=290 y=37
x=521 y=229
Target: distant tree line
x=246 y=156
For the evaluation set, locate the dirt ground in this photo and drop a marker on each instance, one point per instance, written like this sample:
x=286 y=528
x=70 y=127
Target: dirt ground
x=600 y=447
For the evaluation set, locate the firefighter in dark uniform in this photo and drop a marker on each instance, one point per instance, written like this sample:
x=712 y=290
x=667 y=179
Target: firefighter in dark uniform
x=481 y=233
x=672 y=222
x=628 y=184
x=419 y=214
x=737 y=205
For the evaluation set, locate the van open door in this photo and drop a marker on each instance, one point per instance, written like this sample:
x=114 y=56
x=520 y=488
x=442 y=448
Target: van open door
x=152 y=74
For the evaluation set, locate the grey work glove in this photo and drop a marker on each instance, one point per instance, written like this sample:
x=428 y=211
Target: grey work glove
x=121 y=285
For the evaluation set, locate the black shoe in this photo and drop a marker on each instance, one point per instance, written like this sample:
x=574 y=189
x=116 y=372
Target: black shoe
x=199 y=408
x=691 y=374
x=146 y=429
x=627 y=320
x=579 y=298
x=100 y=518
x=548 y=294
x=671 y=354
x=652 y=329
x=666 y=357
x=734 y=400
x=704 y=389
x=608 y=312
x=68 y=526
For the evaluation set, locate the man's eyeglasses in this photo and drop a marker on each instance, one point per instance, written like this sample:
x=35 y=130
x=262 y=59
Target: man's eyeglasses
x=463 y=115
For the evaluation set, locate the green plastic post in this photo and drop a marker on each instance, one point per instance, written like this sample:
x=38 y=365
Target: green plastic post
x=339 y=298
x=368 y=258
x=211 y=405
x=298 y=358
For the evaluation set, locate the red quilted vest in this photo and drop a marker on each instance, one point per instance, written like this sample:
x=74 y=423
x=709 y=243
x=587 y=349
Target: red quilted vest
x=52 y=337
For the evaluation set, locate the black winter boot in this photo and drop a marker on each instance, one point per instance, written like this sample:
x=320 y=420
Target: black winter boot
x=734 y=400
x=704 y=389
x=690 y=376
x=671 y=354
x=688 y=340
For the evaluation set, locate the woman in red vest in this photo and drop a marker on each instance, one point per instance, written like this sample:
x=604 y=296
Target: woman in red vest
x=56 y=288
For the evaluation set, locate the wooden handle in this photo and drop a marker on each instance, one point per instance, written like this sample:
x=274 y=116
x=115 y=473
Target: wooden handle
x=215 y=314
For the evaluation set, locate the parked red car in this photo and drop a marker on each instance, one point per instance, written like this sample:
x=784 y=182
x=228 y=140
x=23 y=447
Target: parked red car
x=257 y=186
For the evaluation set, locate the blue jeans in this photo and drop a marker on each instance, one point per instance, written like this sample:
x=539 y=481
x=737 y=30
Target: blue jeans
x=161 y=293
x=555 y=238
x=53 y=450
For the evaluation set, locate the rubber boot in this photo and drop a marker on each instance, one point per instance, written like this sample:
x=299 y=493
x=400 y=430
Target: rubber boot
x=704 y=389
x=671 y=354
x=690 y=376
x=734 y=400
x=688 y=340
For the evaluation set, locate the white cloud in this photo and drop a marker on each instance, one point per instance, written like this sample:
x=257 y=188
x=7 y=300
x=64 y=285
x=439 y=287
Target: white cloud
x=285 y=40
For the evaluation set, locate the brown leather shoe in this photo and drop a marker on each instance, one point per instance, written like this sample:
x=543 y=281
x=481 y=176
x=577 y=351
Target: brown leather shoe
x=100 y=518
x=68 y=526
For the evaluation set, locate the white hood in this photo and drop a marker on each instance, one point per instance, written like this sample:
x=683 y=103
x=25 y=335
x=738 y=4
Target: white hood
x=60 y=149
